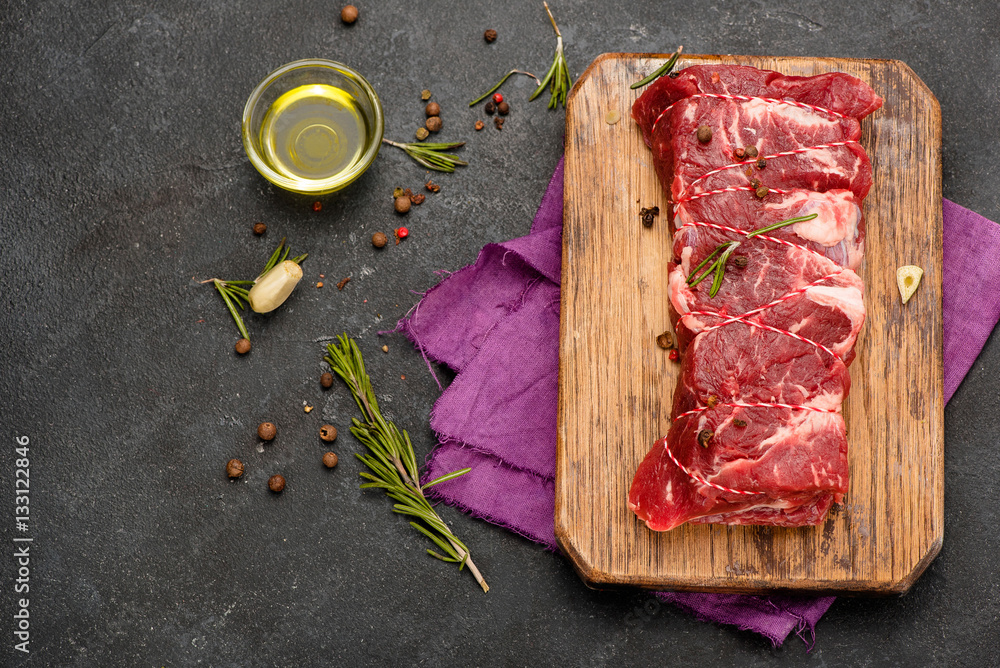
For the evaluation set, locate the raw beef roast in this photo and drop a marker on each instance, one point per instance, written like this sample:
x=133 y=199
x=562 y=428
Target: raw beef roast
x=757 y=435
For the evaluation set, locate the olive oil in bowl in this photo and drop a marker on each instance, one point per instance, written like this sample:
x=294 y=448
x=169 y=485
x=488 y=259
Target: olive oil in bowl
x=313 y=132
x=312 y=126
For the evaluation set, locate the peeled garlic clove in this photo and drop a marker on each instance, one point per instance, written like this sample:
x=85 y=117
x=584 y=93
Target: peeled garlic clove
x=272 y=289
x=908 y=278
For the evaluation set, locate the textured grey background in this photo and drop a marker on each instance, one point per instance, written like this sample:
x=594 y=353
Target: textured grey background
x=123 y=177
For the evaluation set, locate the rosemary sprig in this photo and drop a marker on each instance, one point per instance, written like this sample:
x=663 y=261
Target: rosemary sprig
x=392 y=462
x=790 y=221
x=718 y=267
x=432 y=155
x=500 y=83
x=557 y=78
x=233 y=293
x=660 y=71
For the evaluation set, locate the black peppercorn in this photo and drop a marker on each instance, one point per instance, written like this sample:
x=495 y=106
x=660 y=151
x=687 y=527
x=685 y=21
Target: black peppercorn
x=490 y=35
x=739 y=153
x=705 y=437
x=741 y=261
x=490 y=108
x=761 y=163
x=326 y=379
x=259 y=228
x=665 y=341
x=751 y=151
x=762 y=192
x=503 y=108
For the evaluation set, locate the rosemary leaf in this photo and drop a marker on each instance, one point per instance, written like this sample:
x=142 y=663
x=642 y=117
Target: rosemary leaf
x=721 y=268
x=220 y=286
x=660 y=71
x=391 y=460
x=500 y=83
x=446 y=477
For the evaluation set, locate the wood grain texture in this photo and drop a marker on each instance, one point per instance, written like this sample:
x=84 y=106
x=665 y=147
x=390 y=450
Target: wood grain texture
x=616 y=385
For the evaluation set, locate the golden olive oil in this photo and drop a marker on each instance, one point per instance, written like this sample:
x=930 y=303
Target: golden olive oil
x=313 y=132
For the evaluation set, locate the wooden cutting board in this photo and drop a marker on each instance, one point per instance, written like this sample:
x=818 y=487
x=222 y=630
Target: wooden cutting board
x=616 y=385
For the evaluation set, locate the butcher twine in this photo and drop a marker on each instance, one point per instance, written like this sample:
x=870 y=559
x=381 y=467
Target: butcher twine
x=743 y=317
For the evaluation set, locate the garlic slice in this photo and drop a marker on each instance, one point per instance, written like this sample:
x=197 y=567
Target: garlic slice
x=908 y=279
x=272 y=289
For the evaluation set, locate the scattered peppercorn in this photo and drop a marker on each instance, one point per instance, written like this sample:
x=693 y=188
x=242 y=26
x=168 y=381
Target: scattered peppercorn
x=490 y=108
x=432 y=109
x=665 y=341
x=267 y=431
x=674 y=74
x=497 y=98
x=741 y=261
x=762 y=192
x=712 y=401
x=319 y=284
x=385 y=349
x=498 y=122
x=259 y=228
x=401 y=233
x=751 y=151
x=243 y=346
x=425 y=95
x=349 y=14
x=342 y=282
x=276 y=483
x=761 y=163
x=379 y=240
x=317 y=206
x=705 y=437
x=739 y=153
x=673 y=355
x=648 y=215
x=326 y=380
x=490 y=35
x=755 y=183
x=503 y=108
x=397 y=192
x=402 y=204
x=433 y=124
x=748 y=171
x=418 y=199
x=328 y=433
x=422 y=133
x=739 y=423
x=330 y=460
x=433 y=187
x=234 y=468
x=480 y=125
x=307 y=408
x=704 y=134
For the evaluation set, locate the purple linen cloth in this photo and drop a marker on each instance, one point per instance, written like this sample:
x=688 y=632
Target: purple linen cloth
x=496 y=322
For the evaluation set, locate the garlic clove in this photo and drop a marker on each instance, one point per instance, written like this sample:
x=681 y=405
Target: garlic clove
x=272 y=289
x=908 y=279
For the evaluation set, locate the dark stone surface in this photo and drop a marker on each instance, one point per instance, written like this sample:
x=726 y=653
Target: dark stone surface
x=123 y=177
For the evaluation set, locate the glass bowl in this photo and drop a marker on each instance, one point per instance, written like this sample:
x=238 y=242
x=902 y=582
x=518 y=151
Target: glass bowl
x=344 y=89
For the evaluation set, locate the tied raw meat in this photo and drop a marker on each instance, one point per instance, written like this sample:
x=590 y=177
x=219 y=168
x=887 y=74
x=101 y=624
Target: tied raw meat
x=757 y=435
